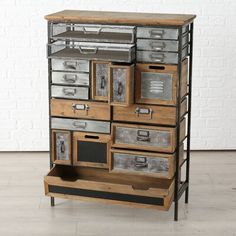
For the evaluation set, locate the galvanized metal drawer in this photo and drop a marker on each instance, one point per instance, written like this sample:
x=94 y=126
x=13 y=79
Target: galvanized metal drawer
x=70 y=92
x=160 y=45
x=80 y=109
x=142 y=163
x=70 y=65
x=160 y=57
x=93 y=33
x=159 y=33
x=92 y=51
x=80 y=125
x=141 y=137
x=70 y=78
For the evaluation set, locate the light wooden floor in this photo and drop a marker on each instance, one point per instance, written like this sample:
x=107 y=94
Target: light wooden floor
x=24 y=210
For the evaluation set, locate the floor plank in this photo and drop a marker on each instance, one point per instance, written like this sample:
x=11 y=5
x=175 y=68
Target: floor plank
x=24 y=210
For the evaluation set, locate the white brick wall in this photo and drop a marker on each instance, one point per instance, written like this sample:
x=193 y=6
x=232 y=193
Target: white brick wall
x=23 y=76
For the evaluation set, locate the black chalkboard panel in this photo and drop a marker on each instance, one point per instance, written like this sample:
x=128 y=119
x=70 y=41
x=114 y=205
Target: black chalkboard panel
x=92 y=152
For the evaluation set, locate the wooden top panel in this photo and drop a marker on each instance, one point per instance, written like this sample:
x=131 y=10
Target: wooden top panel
x=128 y=18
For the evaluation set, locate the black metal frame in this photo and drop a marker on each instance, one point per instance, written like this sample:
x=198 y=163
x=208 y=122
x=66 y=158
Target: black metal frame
x=180 y=186
x=183 y=186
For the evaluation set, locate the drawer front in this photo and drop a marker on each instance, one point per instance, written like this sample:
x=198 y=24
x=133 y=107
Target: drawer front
x=61 y=147
x=160 y=57
x=79 y=109
x=149 y=114
x=100 y=80
x=80 y=125
x=143 y=137
x=70 y=92
x=91 y=149
x=93 y=51
x=141 y=163
x=160 y=45
x=70 y=65
x=70 y=78
x=159 y=33
x=94 y=33
x=121 y=87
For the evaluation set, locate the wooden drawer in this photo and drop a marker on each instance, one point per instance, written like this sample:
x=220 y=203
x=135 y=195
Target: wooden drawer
x=93 y=33
x=96 y=184
x=70 y=92
x=141 y=137
x=149 y=114
x=100 y=80
x=157 y=84
x=80 y=109
x=61 y=147
x=81 y=125
x=70 y=65
x=91 y=149
x=121 y=85
x=142 y=163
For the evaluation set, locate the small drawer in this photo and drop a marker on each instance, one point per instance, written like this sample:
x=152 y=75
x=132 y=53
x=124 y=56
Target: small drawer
x=142 y=163
x=141 y=137
x=79 y=109
x=92 y=51
x=80 y=125
x=70 y=92
x=160 y=45
x=159 y=33
x=160 y=57
x=91 y=149
x=93 y=33
x=98 y=184
x=70 y=78
x=61 y=147
x=163 y=115
x=70 y=65
x=121 y=85
x=157 y=84
x=100 y=80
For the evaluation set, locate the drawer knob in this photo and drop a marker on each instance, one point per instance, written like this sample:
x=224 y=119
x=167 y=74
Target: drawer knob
x=143 y=135
x=94 y=31
x=157 y=47
x=87 y=50
x=144 y=111
x=70 y=64
x=157 y=57
x=120 y=89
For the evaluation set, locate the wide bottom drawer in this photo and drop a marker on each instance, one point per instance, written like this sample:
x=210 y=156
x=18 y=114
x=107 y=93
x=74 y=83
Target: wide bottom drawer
x=98 y=184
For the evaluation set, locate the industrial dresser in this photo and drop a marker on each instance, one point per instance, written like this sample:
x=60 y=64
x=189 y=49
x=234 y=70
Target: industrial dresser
x=120 y=107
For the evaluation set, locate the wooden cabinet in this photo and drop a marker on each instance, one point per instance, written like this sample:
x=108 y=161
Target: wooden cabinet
x=120 y=88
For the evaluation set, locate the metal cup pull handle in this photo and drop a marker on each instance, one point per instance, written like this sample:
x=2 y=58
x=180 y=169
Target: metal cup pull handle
x=143 y=135
x=120 y=89
x=103 y=82
x=70 y=78
x=88 y=50
x=155 y=33
x=144 y=111
x=80 y=106
x=157 y=47
x=157 y=58
x=140 y=162
x=87 y=31
x=70 y=64
x=79 y=124
x=69 y=91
